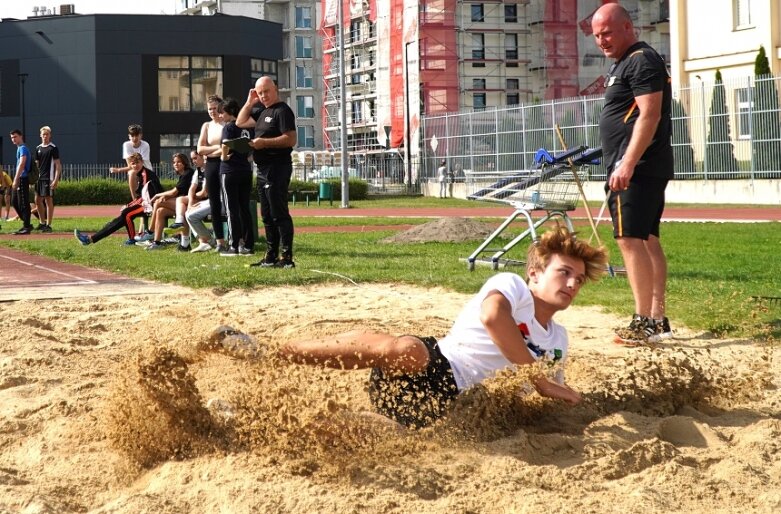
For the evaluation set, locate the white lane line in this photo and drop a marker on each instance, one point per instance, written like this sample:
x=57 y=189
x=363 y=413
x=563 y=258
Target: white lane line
x=80 y=280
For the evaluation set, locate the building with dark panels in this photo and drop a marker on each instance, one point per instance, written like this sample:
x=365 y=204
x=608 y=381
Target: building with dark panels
x=89 y=76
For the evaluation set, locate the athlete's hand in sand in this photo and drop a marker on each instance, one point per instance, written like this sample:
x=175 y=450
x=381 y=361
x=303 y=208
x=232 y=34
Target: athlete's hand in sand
x=560 y=392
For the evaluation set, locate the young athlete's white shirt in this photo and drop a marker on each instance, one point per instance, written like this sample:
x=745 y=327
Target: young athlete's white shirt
x=472 y=354
x=143 y=148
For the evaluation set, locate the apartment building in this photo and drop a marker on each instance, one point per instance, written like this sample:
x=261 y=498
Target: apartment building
x=299 y=73
x=405 y=59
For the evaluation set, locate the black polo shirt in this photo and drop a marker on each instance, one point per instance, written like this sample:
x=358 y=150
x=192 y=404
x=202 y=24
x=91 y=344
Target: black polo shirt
x=273 y=121
x=639 y=72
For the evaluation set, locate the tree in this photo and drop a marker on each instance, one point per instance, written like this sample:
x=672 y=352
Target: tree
x=682 y=142
x=765 y=130
x=719 y=151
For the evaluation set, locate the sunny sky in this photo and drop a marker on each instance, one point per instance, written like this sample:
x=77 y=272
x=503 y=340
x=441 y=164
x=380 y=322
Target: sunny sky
x=23 y=9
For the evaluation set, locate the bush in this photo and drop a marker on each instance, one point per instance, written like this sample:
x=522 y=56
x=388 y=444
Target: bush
x=96 y=191
x=101 y=191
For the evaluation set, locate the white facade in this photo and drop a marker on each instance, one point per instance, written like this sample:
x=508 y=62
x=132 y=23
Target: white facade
x=724 y=35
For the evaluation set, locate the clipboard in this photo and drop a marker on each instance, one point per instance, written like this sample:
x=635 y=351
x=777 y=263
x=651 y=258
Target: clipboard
x=239 y=144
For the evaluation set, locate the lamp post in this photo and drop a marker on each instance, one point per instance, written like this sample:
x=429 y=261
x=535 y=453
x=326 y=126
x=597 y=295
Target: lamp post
x=407 y=135
x=23 y=78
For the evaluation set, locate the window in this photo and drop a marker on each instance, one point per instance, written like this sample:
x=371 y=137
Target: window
x=355 y=31
x=357 y=112
x=477 y=12
x=478 y=83
x=175 y=143
x=262 y=68
x=512 y=84
x=745 y=105
x=356 y=61
x=303 y=17
x=511 y=46
x=510 y=13
x=478 y=101
x=513 y=99
x=303 y=76
x=306 y=136
x=742 y=13
x=303 y=47
x=305 y=106
x=184 y=82
x=478 y=50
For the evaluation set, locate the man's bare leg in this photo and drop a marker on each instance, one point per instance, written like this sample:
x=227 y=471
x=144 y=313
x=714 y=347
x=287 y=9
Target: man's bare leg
x=361 y=349
x=659 y=266
x=639 y=270
x=49 y=209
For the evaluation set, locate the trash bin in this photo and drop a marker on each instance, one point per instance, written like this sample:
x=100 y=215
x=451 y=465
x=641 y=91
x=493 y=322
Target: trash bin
x=325 y=191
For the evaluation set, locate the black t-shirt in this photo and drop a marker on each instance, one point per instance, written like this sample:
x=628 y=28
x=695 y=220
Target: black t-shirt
x=271 y=122
x=46 y=155
x=237 y=162
x=639 y=72
x=183 y=184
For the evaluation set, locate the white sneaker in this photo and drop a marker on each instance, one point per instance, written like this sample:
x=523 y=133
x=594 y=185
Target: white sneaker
x=235 y=342
x=145 y=236
x=203 y=247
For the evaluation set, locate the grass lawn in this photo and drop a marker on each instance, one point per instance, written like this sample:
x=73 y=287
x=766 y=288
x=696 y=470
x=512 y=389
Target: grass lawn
x=714 y=268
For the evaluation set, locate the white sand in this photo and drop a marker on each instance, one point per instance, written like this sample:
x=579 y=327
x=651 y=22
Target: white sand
x=692 y=427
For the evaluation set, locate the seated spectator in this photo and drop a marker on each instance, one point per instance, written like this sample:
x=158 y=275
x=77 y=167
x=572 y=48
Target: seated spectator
x=148 y=185
x=199 y=208
x=164 y=204
x=5 y=193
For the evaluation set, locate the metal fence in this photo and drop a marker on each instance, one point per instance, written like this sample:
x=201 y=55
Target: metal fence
x=723 y=130
x=77 y=172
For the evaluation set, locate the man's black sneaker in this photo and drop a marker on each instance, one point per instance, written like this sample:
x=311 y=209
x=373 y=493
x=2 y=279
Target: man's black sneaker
x=268 y=261
x=638 y=333
x=285 y=263
x=46 y=228
x=24 y=231
x=662 y=330
x=40 y=226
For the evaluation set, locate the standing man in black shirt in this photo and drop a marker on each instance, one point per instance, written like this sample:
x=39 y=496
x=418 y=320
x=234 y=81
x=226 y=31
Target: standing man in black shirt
x=48 y=157
x=636 y=128
x=275 y=137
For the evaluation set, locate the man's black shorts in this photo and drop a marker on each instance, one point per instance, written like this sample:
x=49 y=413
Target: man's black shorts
x=637 y=211
x=415 y=400
x=43 y=188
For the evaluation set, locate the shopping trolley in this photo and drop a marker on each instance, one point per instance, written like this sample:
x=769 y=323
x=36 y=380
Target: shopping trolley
x=550 y=186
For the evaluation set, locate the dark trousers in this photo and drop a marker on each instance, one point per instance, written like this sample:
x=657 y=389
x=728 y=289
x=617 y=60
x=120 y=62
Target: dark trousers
x=212 y=174
x=126 y=219
x=21 y=201
x=273 y=181
x=238 y=190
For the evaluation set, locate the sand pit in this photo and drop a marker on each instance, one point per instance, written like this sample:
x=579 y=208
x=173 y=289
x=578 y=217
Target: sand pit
x=104 y=409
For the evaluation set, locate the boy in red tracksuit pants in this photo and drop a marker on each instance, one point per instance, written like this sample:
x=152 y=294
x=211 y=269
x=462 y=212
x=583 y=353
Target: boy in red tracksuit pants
x=148 y=186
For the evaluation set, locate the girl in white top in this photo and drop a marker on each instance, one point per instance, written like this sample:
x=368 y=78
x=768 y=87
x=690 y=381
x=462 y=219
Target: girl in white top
x=210 y=145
